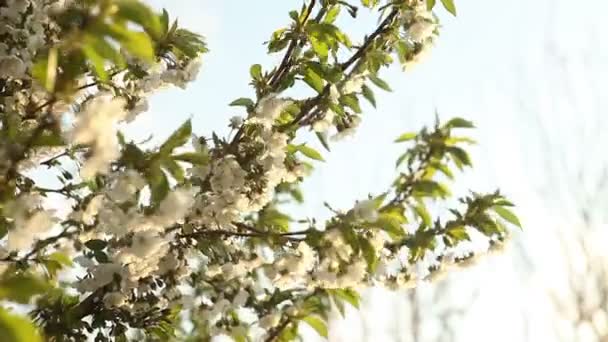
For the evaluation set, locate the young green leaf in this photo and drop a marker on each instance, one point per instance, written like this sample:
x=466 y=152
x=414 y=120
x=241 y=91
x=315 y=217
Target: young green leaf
x=459 y=123
x=242 y=102
x=159 y=185
x=310 y=152
x=369 y=254
x=507 y=215
x=406 y=137
x=379 y=82
x=323 y=140
x=348 y=295
x=177 y=139
x=15 y=328
x=256 y=72
x=369 y=95
x=21 y=287
x=318 y=324
x=449 y=5
x=192 y=158
x=313 y=80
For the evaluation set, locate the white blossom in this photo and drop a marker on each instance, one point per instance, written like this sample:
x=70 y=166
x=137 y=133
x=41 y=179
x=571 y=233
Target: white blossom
x=420 y=56
x=29 y=222
x=366 y=210
x=421 y=30
x=176 y=205
x=236 y=121
x=125 y=186
x=11 y=66
x=269 y=321
x=349 y=131
x=95 y=126
x=354 y=84
x=325 y=122
x=268 y=109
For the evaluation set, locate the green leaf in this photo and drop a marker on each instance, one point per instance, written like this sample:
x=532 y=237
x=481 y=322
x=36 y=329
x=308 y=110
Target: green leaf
x=459 y=156
x=423 y=213
x=444 y=169
x=20 y=287
x=391 y=223
x=459 y=123
x=318 y=324
x=430 y=188
x=174 y=169
x=48 y=138
x=270 y=217
x=159 y=185
x=332 y=14
x=320 y=48
x=449 y=5
x=310 y=152
x=178 y=138
x=139 y=45
x=430 y=4
x=507 y=215
x=504 y=203
x=313 y=80
x=139 y=13
x=406 y=137
x=380 y=199
x=348 y=295
x=401 y=159
x=61 y=258
x=97 y=61
x=294 y=15
x=333 y=75
x=458 y=233
x=379 y=82
x=15 y=328
x=164 y=21
x=323 y=139
x=104 y=49
x=369 y=95
x=369 y=254
x=242 y=102
x=256 y=72
x=192 y=158
x=96 y=244
x=352 y=102
x=101 y=257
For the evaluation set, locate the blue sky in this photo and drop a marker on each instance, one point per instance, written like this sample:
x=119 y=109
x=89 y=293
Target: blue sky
x=529 y=73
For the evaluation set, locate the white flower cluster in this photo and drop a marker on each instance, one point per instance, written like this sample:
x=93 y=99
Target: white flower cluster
x=29 y=220
x=25 y=27
x=337 y=266
x=366 y=210
x=158 y=77
x=354 y=84
x=95 y=127
x=323 y=124
x=422 y=31
x=232 y=193
x=147 y=253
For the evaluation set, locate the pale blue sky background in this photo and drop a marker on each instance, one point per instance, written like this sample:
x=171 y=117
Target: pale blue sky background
x=530 y=73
